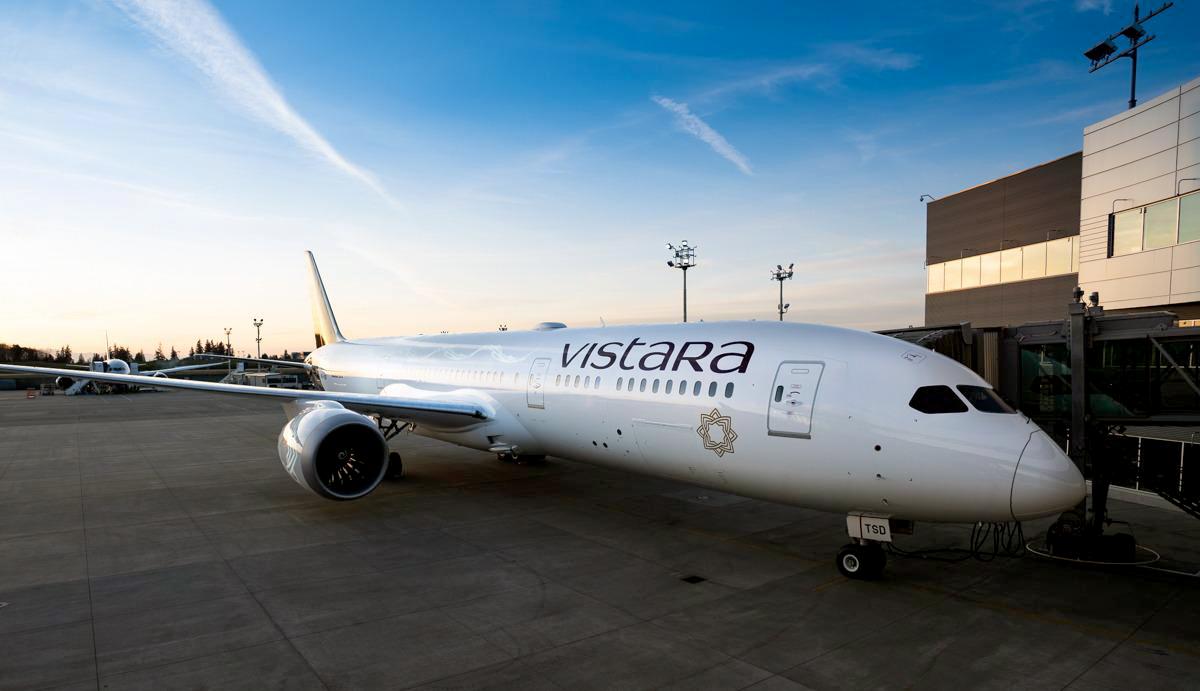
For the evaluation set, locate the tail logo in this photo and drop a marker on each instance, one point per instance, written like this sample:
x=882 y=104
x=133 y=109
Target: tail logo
x=716 y=431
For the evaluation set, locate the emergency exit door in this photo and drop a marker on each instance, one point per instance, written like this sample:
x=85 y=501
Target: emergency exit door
x=535 y=392
x=792 y=399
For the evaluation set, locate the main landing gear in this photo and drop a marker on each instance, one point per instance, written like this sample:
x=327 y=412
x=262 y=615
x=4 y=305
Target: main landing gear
x=395 y=468
x=390 y=430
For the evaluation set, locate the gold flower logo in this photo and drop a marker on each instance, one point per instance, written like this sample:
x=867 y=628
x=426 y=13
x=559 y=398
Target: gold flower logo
x=716 y=430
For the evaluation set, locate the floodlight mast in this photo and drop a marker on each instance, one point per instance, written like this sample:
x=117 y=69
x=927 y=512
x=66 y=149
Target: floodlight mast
x=781 y=274
x=258 y=322
x=684 y=259
x=1106 y=52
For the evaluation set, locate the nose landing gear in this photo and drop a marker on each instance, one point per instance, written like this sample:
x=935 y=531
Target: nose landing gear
x=862 y=560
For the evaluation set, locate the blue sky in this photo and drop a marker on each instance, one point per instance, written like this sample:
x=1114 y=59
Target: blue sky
x=459 y=165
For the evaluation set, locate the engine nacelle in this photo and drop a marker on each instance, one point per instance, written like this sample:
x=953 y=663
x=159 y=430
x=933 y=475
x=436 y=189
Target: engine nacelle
x=64 y=382
x=333 y=452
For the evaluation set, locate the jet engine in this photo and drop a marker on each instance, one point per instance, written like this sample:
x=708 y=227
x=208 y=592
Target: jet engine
x=333 y=452
x=64 y=382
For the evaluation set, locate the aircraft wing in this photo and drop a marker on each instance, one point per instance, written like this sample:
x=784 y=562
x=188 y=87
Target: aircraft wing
x=265 y=361
x=440 y=412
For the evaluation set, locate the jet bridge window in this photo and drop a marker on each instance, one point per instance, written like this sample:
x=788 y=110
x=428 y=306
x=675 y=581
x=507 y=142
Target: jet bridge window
x=937 y=399
x=984 y=399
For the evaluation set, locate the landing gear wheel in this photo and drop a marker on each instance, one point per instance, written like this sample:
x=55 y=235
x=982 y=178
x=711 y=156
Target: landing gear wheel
x=506 y=457
x=864 y=562
x=395 y=469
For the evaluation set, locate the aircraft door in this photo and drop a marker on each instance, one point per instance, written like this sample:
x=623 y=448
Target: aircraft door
x=535 y=392
x=792 y=399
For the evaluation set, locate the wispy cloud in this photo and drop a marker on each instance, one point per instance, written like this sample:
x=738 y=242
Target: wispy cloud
x=194 y=30
x=1104 y=6
x=834 y=62
x=699 y=129
x=1075 y=115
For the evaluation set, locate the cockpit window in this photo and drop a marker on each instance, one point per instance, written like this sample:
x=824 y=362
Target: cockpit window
x=937 y=399
x=985 y=399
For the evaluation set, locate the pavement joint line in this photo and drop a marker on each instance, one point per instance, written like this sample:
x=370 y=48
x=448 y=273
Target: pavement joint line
x=87 y=568
x=1166 y=601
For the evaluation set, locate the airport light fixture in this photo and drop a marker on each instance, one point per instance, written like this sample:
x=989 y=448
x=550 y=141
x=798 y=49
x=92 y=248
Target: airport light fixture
x=1107 y=52
x=684 y=259
x=927 y=197
x=258 y=322
x=781 y=274
x=228 y=349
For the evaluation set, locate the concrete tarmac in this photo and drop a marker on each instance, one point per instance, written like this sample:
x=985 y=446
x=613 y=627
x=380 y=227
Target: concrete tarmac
x=153 y=541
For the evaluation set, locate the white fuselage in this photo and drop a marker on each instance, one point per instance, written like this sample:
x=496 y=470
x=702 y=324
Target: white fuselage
x=821 y=414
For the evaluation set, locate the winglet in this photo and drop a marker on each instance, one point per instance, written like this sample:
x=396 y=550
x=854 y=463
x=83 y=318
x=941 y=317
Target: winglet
x=325 y=326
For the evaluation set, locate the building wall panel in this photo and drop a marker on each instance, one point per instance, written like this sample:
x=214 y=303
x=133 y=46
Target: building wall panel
x=1020 y=209
x=1003 y=305
x=1151 y=166
x=1159 y=140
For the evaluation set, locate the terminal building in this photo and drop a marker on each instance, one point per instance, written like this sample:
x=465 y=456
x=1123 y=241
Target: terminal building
x=1121 y=218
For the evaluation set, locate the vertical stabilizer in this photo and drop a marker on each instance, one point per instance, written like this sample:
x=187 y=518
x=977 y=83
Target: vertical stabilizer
x=325 y=327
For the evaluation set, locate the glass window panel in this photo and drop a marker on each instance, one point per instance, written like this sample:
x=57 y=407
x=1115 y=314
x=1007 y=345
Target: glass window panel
x=1033 y=260
x=1189 y=218
x=970 y=272
x=1127 y=232
x=1160 y=224
x=937 y=278
x=1058 y=257
x=953 y=275
x=1010 y=265
x=989 y=269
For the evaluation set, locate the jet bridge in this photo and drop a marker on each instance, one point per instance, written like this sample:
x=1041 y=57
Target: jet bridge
x=1132 y=416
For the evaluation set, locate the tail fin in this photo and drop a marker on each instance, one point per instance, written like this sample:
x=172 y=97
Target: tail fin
x=325 y=326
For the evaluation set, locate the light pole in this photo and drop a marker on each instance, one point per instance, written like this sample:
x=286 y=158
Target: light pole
x=781 y=274
x=258 y=322
x=1106 y=52
x=228 y=350
x=685 y=258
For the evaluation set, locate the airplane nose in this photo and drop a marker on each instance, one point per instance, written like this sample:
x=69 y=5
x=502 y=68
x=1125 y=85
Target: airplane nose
x=1046 y=481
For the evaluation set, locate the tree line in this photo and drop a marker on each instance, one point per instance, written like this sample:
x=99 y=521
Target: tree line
x=64 y=355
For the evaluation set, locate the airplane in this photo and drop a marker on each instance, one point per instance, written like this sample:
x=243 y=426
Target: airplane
x=114 y=366
x=815 y=416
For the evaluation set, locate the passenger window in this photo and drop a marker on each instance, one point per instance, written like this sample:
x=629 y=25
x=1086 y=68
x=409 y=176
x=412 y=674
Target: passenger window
x=935 y=400
x=712 y=389
x=729 y=390
x=654 y=387
x=696 y=388
x=669 y=383
x=629 y=385
x=778 y=394
x=597 y=383
x=682 y=387
x=557 y=379
x=620 y=381
x=577 y=381
x=587 y=382
x=642 y=386
x=984 y=399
